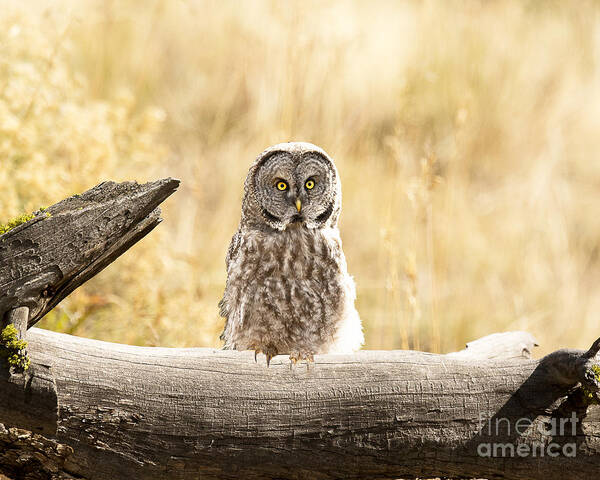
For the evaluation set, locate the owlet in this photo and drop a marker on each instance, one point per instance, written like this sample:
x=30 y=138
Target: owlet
x=288 y=289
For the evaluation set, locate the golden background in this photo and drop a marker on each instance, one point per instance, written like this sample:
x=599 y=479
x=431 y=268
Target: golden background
x=466 y=135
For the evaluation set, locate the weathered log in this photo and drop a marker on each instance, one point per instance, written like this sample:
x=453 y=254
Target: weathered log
x=151 y=413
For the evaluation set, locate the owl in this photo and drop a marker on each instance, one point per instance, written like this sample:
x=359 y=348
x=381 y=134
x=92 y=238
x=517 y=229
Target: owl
x=288 y=290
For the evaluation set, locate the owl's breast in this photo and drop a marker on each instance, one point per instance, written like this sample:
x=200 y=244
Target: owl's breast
x=289 y=282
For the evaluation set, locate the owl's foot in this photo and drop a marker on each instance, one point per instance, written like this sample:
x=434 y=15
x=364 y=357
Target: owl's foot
x=270 y=351
x=301 y=356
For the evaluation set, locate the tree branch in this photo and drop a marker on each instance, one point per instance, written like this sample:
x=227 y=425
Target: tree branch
x=46 y=258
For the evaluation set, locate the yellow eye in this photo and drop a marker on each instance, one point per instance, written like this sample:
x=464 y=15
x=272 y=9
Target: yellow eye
x=281 y=186
x=310 y=184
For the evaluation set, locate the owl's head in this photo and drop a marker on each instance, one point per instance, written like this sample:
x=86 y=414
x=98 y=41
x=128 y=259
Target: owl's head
x=292 y=184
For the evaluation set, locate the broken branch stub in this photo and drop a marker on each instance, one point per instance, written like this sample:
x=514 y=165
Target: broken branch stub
x=44 y=259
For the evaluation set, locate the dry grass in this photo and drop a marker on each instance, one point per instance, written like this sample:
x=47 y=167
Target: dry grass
x=466 y=134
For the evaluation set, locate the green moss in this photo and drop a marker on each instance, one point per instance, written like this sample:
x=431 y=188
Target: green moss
x=590 y=397
x=15 y=222
x=13 y=349
x=43 y=210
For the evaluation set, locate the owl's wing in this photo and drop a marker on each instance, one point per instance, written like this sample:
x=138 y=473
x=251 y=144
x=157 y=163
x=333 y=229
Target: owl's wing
x=232 y=253
x=234 y=248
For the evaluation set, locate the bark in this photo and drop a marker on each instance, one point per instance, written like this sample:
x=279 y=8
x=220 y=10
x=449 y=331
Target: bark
x=150 y=413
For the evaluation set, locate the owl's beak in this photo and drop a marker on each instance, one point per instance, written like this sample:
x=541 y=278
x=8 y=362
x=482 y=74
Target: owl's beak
x=298 y=205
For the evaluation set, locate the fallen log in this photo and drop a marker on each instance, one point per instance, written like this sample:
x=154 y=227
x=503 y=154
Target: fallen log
x=151 y=413
x=97 y=410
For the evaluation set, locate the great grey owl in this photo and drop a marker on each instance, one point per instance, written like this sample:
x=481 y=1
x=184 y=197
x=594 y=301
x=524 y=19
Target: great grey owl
x=288 y=290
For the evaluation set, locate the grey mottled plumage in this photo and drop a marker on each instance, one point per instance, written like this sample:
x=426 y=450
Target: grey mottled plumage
x=288 y=290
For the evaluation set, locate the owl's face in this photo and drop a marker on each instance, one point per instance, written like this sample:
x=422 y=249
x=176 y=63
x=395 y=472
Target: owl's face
x=295 y=185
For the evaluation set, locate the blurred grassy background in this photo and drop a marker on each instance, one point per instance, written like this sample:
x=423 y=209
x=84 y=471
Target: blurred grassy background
x=466 y=135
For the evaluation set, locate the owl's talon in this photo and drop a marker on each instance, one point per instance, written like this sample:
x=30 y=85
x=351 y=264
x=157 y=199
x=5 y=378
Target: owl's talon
x=306 y=357
x=310 y=359
x=269 y=351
